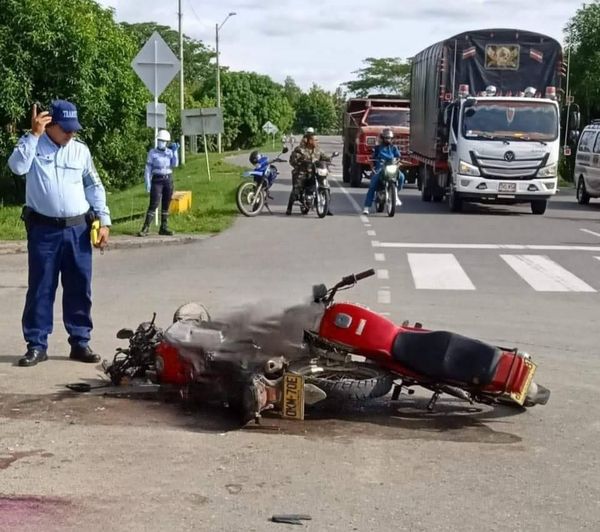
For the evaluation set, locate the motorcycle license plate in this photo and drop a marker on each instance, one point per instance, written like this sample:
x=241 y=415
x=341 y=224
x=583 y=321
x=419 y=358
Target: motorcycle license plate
x=519 y=397
x=507 y=187
x=293 y=396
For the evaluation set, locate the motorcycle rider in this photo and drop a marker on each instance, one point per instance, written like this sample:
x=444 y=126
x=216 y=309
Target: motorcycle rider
x=307 y=151
x=383 y=152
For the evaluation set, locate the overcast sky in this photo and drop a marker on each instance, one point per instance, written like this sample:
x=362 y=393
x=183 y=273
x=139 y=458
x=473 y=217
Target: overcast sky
x=324 y=41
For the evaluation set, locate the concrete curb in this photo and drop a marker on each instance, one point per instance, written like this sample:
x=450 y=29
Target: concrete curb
x=8 y=247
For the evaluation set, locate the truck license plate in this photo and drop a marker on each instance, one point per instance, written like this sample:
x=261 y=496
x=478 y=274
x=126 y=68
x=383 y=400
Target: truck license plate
x=293 y=396
x=507 y=187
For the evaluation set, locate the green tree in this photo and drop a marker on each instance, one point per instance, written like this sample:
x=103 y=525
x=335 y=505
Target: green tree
x=583 y=38
x=74 y=50
x=317 y=109
x=292 y=92
x=249 y=100
x=389 y=75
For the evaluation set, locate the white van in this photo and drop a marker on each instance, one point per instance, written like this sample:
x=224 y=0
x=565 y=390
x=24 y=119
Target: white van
x=587 y=164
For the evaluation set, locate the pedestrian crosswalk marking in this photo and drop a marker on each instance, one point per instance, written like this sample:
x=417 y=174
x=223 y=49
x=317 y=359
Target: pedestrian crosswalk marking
x=438 y=271
x=545 y=275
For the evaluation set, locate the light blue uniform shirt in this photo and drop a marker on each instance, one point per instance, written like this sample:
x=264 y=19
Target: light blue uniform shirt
x=61 y=181
x=160 y=162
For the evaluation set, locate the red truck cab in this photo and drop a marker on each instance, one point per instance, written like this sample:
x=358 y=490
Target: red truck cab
x=364 y=120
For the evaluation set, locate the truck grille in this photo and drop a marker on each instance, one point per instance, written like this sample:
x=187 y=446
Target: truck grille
x=500 y=168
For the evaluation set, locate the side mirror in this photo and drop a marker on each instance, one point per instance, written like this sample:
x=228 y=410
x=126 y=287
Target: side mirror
x=319 y=292
x=573 y=136
x=285 y=150
x=125 y=334
x=575 y=121
x=470 y=102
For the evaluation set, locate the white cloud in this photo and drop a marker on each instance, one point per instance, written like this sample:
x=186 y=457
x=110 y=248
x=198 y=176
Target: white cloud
x=324 y=41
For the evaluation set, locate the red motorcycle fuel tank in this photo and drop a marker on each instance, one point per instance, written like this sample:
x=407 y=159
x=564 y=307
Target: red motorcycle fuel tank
x=361 y=330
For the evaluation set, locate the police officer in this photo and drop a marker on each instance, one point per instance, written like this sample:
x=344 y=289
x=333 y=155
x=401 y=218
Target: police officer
x=63 y=194
x=159 y=180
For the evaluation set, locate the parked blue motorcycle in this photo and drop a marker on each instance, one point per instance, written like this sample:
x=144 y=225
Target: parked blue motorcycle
x=253 y=196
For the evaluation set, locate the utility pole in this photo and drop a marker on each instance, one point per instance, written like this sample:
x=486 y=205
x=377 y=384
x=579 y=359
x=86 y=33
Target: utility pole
x=181 y=85
x=217 y=28
x=219 y=149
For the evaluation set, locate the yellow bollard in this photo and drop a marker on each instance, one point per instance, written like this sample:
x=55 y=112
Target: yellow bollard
x=181 y=201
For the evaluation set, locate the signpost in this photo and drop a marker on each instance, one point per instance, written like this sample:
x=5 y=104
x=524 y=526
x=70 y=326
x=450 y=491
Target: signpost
x=207 y=121
x=156 y=65
x=270 y=129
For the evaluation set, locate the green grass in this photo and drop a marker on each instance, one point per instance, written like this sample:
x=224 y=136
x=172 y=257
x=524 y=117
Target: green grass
x=213 y=203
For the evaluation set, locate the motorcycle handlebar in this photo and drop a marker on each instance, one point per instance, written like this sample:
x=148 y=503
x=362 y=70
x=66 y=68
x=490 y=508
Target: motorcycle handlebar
x=351 y=279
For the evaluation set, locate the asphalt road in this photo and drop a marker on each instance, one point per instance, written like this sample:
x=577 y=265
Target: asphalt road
x=140 y=463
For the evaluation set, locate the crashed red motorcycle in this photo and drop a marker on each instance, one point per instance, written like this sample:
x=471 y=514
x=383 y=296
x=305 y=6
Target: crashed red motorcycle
x=349 y=353
x=408 y=356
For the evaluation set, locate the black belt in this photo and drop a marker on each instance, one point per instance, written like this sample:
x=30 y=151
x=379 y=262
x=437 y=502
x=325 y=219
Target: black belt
x=161 y=175
x=70 y=221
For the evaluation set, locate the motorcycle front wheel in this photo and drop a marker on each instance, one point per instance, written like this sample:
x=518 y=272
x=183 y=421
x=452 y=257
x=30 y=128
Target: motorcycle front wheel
x=250 y=198
x=390 y=201
x=380 y=200
x=322 y=202
x=348 y=382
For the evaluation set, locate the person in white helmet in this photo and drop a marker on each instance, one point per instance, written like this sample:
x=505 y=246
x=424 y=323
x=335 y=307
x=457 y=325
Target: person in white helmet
x=159 y=180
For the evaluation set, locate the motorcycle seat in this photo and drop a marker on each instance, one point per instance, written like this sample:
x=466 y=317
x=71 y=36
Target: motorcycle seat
x=446 y=356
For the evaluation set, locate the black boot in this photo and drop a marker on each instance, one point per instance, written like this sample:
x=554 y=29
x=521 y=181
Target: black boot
x=146 y=226
x=288 y=211
x=164 y=227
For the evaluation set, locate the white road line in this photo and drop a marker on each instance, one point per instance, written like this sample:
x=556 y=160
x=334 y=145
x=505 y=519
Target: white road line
x=364 y=219
x=438 y=271
x=590 y=232
x=371 y=232
x=597 y=258
x=385 y=274
x=535 y=247
x=379 y=257
x=384 y=297
x=368 y=225
x=545 y=275
x=352 y=201
x=374 y=243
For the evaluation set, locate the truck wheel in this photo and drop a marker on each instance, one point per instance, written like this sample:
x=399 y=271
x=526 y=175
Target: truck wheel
x=355 y=174
x=455 y=201
x=346 y=168
x=426 y=192
x=438 y=195
x=583 y=198
x=539 y=206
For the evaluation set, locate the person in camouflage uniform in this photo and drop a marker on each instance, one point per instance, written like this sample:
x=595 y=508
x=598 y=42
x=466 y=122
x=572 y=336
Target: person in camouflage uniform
x=307 y=151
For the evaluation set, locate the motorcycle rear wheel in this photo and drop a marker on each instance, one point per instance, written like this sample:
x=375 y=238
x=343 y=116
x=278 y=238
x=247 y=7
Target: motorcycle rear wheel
x=348 y=382
x=250 y=198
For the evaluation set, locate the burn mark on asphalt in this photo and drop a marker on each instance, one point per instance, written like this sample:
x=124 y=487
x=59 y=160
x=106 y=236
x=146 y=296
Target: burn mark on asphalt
x=407 y=419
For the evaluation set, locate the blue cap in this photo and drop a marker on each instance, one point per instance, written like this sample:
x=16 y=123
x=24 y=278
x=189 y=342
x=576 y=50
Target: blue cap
x=64 y=114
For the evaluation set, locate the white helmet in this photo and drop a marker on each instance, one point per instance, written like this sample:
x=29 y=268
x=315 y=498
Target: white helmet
x=163 y=134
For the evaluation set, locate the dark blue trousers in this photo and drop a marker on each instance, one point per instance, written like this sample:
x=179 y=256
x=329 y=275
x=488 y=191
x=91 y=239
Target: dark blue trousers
x=54 y=252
